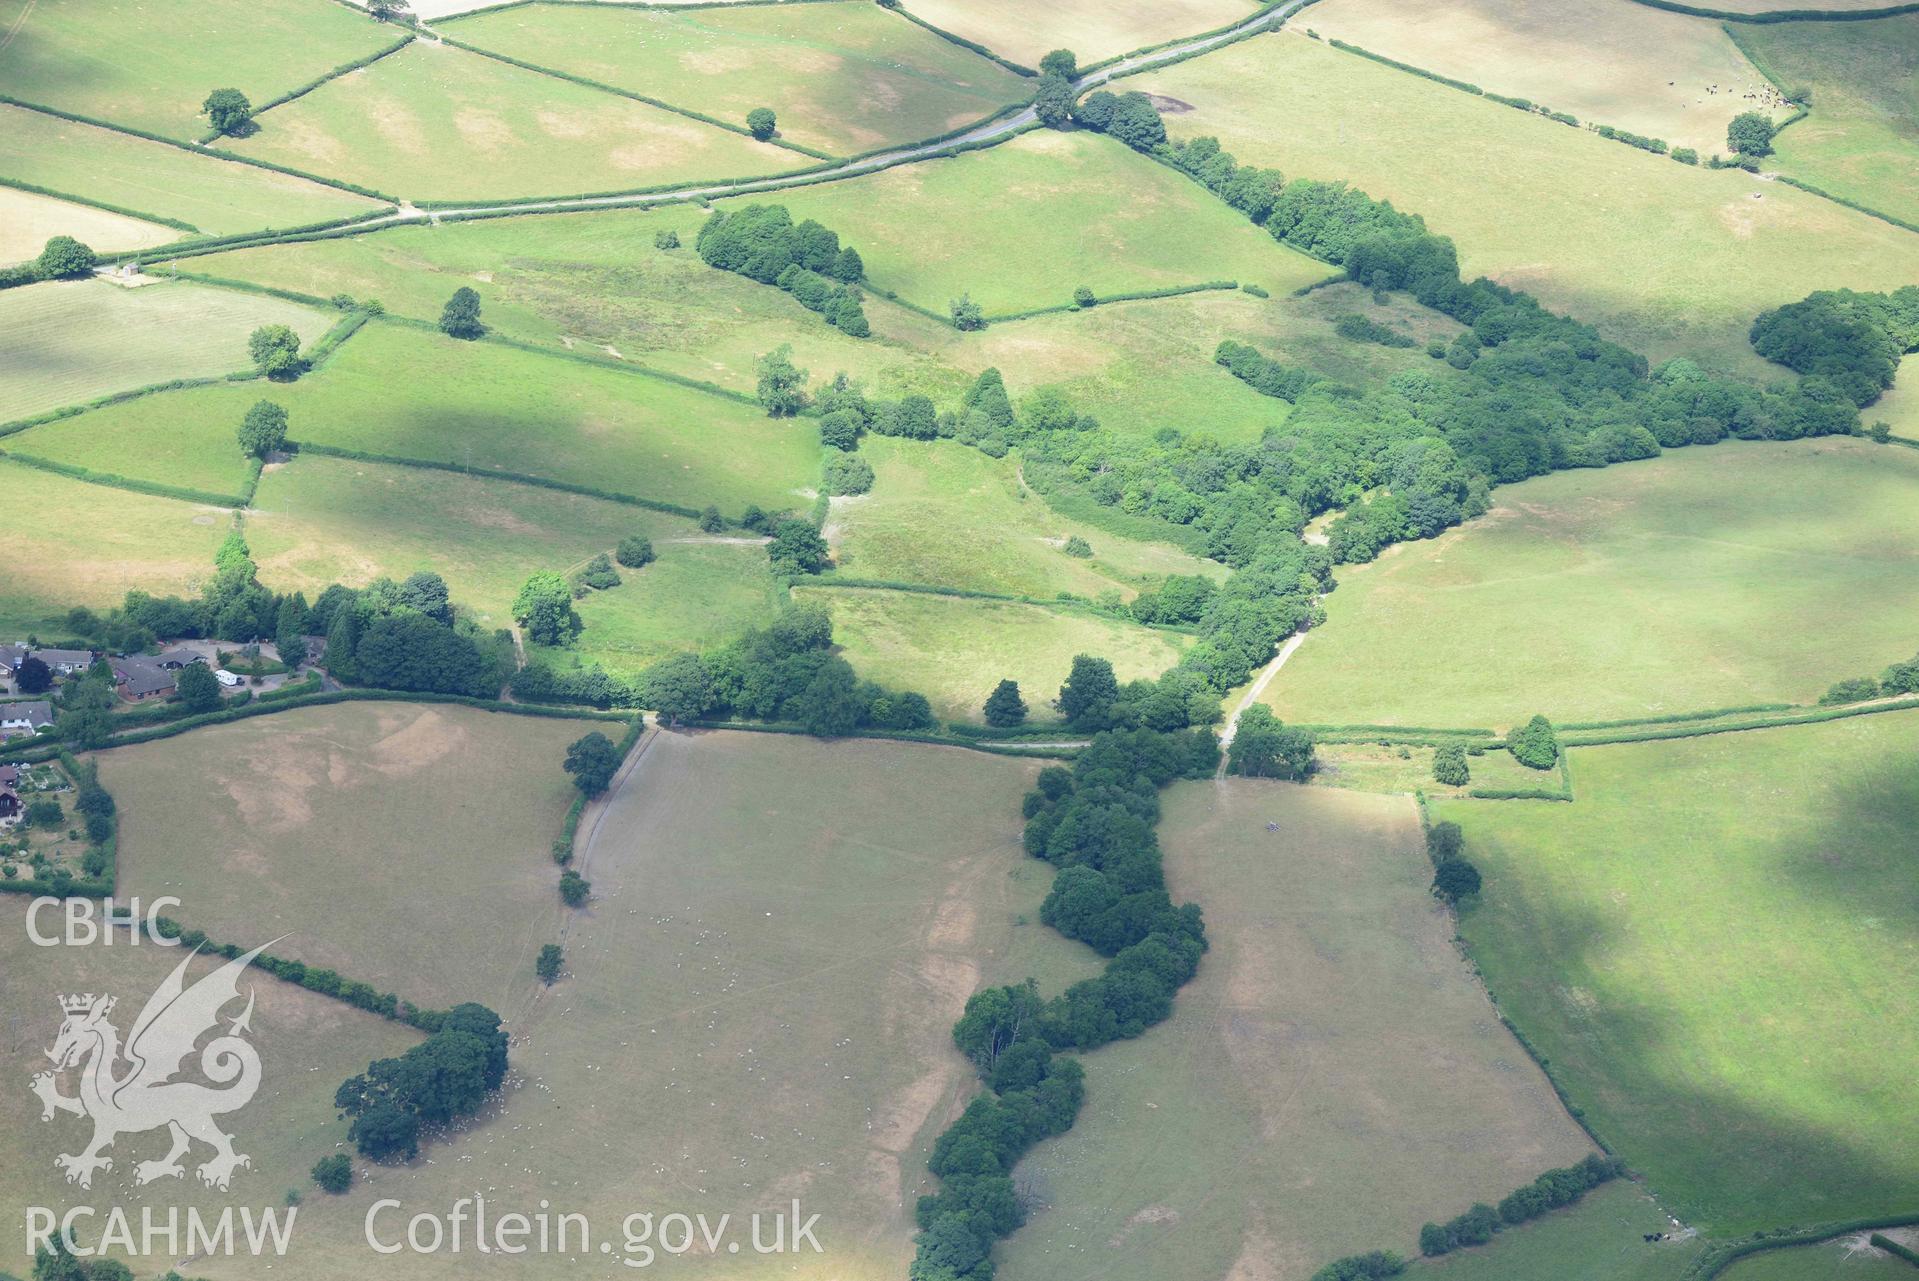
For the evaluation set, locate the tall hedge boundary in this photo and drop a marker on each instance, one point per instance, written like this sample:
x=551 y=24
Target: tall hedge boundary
x=971 y=46
x=307 y=88
x=90 y=202
x=111 y=480
x=1782 y=15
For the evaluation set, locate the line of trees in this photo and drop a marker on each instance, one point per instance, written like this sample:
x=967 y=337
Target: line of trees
x=1900 y=678
x=763 y=243
x=1550 y=1191
x=1095 y=822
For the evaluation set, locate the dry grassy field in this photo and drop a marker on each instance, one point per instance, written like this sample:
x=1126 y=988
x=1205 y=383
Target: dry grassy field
x=290 y=818
x=66 y=543
x=436 y=122
x=1025 y=33
x=1667 y=258
x=215 y=195
x=28 y=221
x=308 y=1044
x=70 y=341
x=757 y=1005
x=1332 y=1079
x=1610 y=62
x=844 y=78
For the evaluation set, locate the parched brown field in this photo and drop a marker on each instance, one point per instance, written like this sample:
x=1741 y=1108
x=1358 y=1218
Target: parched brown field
x=1334 y=1077
x=757 y=1006
x=405 y=845
x=308 y=1044
x=1610 y=62
x=28 y=220
x=1026 y=32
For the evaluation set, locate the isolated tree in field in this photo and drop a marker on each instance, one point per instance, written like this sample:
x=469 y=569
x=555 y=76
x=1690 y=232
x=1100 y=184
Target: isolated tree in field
x=592 y=760
x=1086 y=699
x=1060 y=62
x=264 y=429
x=1053 y=101
x=574 y=888
x=548 y=964
x=680 y=688
x=1750 y=134
x=545 y=608
x=1264 y=747
x=782 y=385
x=797 y=548
x=967 y=314
x=34 y=677
x=761 y=123
x=846 y=474
x=1455 y=879
x=62 y=257
x=198 y=688
x=334 y=1173
x=276 y=351
x=1444 y=841
x=228 y=111
x=634 y=551
x=1534 y=744
x=1004 y=707
x=460 y=318
x=667 y=239
x=1449 y=765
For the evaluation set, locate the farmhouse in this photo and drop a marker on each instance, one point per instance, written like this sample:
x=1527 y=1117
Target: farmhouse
x=24 y=718
x=141 y=679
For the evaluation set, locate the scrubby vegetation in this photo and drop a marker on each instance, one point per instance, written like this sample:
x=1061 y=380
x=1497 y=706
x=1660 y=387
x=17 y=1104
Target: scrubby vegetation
x=762 y=242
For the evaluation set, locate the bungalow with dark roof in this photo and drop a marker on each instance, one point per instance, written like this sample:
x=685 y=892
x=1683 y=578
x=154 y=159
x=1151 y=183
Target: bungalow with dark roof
x=65 y=662
x=142 y=679
x=24 y=718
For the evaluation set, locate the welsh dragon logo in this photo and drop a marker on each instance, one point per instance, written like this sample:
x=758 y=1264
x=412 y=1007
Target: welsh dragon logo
x=145 y=1095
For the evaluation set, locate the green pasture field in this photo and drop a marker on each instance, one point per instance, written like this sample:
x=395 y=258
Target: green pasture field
x=595 y=281
x=1332 y=1079
x=1899 y=408
x=945 y=514
x=955 y=651
x=1600 y=1239
x=1710 y=577
x=28 y=221
x=1025 y=223
x=70 y=341
x=1026 y=33
x=439 y=819
x=757 y=1005
x=436 y=122
x=1608 y=62
x=217 y=196
x=699 y=594
x=1677 y=939
x=411 y=394
x=183 y=438
x=1370 y=767
x=318 y=521
x=308 y=1044
x=150 y=67
x=844 y=78
x=1848 y=1259
x=66 y=543
x=1669 y=259
x=1863 y=134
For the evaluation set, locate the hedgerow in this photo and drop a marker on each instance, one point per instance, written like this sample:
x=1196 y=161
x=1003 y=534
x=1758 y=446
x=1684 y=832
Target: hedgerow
x=1095 y=823
x=73 y=471
x=332 y=74
x=970 y=46
x=1550 y=1191
x=122 y=210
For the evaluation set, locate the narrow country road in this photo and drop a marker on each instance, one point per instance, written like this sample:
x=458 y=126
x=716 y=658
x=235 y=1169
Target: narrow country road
x=1251 y=696
x=988 y=133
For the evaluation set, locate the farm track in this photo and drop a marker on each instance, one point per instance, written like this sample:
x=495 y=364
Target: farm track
x=985 y=135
